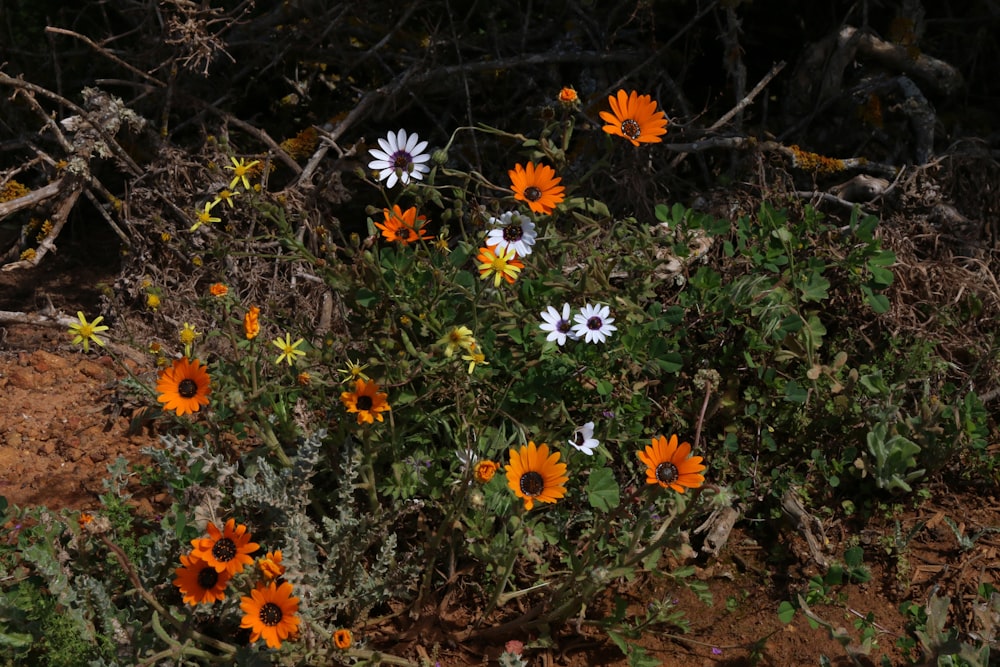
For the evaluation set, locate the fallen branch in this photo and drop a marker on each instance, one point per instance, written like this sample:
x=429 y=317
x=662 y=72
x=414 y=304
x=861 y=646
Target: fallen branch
x=33 y=198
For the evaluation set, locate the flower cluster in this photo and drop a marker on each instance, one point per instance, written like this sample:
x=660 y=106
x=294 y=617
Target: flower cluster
x=593 y=324
x=270 y=611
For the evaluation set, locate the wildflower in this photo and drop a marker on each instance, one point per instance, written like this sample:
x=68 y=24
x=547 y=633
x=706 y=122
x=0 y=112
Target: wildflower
x=593 y=323
x=251 y=323
x=568 y=96
x=303 y=379
x=533 y=474
x=459 y=337
x=227 y=550
x=270 y=565
x=152 y=301
x=187 y=336
x=503 y=265
x=240 y=170
x=405 y=226
x=584 y=440
x=197 y=260
x=538 y=186
x=84 y=519
x=670 y=464
x=269 y=612
x=199 y=582
x=165 y=237
x=400 y=159
x=184 y=387
x=354 y=371
x=558 y=325
x=218 y=290
x=516 y=232
x=485 y=470
x=204 y=216
x=635 y=118
x=289 y=350
x=226 y=196
x=366 y=400
x=475 y=357
x=343 y=639
x=85 y=332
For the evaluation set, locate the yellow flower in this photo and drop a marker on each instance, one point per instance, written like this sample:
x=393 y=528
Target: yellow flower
x=225 y=196
x=503 y=266
x=475 y=357
x=85 y=332
x=240 y=170
x=354 y=371
x=289 y=350
x=204 y=216
x=187 y=336
x=152 y=301
x=457 y=338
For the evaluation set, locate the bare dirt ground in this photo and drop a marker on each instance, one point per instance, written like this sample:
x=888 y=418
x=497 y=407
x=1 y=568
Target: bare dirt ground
x=59 y=430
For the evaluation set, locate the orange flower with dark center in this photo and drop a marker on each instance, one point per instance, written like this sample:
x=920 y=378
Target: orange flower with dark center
x=184 y=387
x=343 y=639
x=366 y=400
x=226 y=550
x=251 y=323
x=635 y=118
x=671 y=465
x=269 y=612
x=404 y=226
x=533 y=474
x=538 y=186
x=199 y=582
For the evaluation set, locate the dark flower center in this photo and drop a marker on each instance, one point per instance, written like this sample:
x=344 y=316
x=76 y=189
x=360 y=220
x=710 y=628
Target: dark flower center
x=187 y=388
x=270 y=614
x=563 y=326
x=630 y=128
x=532 y=193
x=578 y=438
x=512 y=233
x=594 y=323
x=365 y=402
x=532 y=483
x=224 y=550
x=207 y=578
x=405 y=233
x=666 y=473
x=401 y=160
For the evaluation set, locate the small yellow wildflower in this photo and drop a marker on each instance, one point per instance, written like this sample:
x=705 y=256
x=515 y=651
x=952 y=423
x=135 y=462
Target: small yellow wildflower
x=240 y=170
x=197 y=260
x=475 y=357
x=165 y=237
x=503 y=265
x=405 y=320
x=85 y=332
x=458 y=338
x=205 y=216
x=152 y=302
x=289 y=350
x=226 y=196
x=354 y=371
x=187 y=336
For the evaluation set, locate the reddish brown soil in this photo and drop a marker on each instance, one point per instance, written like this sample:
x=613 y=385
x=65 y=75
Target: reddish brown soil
x=59 y=431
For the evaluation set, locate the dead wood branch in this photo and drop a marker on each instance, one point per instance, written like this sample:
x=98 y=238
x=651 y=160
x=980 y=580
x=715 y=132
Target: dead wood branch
x=48 y=243
x=33 y=198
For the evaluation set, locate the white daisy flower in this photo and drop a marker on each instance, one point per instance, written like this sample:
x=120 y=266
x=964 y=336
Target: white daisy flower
x=401 y=158
x=558 y=325
x=584 y=440
x=516 y=232
x=593 y=323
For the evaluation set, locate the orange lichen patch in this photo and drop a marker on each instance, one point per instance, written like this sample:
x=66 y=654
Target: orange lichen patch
x=815 y=162
x=302 y=144
x=870 y=112
x=12 y=190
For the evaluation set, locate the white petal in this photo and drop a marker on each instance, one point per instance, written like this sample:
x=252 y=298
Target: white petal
x=391 y=180
x=419 y=148
x=388 y=145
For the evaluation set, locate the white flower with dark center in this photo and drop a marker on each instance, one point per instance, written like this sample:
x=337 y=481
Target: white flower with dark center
x=558 y=325
x=593 y=323
x=401 y=158
x=584 y=440
x=516 y=232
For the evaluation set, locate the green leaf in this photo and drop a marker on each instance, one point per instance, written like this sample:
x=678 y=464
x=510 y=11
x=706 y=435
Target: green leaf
x=786 y=611
x=662 y=212
x=795 y=393
x=671 y=362
x=604 y=388
x=602 y=490
x=365 y=297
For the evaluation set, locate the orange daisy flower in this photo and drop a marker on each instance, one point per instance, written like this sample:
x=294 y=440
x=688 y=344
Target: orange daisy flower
x=226 y=550
x=533 y=474
x=200 y=582
x=405 y=226
x=270 y=565
x=184 y=387
x=670 y=464
x=366 y=400
x=568 y=95
x=343 y=639
x=635 y=118
x=503 y=266
x=251 y=323
x=485 y=470
x=269 y=612
x=218 y=290
x=538 y=186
